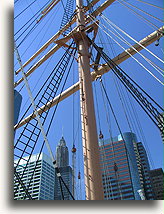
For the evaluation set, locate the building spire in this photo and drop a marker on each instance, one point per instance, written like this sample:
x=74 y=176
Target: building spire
x=62 y=131
x=62 y=154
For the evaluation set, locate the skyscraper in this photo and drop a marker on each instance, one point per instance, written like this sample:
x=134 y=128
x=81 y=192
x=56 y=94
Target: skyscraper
x=124 y=167
x=66 y=173
x=144 y=172
x=62 y=159
x=17 y=105
x=62 y=156
x=161 y=118
x=42 y=184
x=158 y=185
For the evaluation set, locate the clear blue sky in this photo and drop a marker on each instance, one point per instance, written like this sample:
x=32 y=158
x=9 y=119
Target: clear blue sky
x=134 y=26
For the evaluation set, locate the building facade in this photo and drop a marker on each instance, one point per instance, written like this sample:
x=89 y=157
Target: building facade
x=62 y=155
x=17 y=105
x=158 y=183
x=144 y=172
x=123 y=169
x=62 y=159
x=66 y=173
x=42 y=183
x=160 y=119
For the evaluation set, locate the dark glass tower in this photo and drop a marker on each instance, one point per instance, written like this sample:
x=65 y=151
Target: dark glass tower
x=125 y=169
x=66 y=173
x=144 y=172
x=62 y=159
x=158 y=185
x=17 y=105
x=62 y=156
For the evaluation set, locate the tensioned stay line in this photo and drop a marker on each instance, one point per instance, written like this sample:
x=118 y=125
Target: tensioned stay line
x=24 y=9
x=158 y=69
x=137 y=14
x=34 y=105
x=148 y=14
x=128 y=53
x=110 y=22
x=150 y=4
x=31 y=19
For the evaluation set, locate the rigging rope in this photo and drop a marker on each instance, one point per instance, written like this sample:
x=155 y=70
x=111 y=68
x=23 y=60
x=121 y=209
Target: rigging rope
x=54 y=112
x=127 y=152
x=46 y=31
x=24 y=9
x=47 y=80
x=116 y=173
x=112 y=143
x=16 y=1
x=34 y=105
x=31 y=30
x=35 y=142
x=120 y=91
x=73 y=141
x=101 y=141
x=140 y=130
x=150 y=4
x=123 y=102
x=130 y=54
x=158 y=69
x=108 y=185
x=126 y=110
x=143 y=11
x=143 y=18
x=22 y=184
x=31 y=19
x=68 y=14
x=110 y=22
x=152 y=112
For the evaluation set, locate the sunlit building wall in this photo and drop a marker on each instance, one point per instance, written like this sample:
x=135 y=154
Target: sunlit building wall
x=122 y=160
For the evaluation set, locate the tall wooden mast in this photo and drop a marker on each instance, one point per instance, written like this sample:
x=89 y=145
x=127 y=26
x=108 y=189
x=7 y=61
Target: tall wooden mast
x=92 y=173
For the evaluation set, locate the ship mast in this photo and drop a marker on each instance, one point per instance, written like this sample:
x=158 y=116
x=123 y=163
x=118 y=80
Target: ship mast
x=92 y=173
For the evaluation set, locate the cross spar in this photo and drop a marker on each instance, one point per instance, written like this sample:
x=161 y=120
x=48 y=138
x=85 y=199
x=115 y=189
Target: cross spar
x=58 y=46
x=94 y=74
x=90 y=142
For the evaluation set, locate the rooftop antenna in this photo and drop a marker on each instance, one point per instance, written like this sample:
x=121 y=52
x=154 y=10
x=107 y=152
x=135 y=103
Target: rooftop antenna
x=62 y=131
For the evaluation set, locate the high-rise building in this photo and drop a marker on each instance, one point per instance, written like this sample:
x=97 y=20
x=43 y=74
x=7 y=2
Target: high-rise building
x=158 y=185
x=160 y=119
x=144 y=172
x=17 y=105
x=125 y=169
x=62 y=159
x=62 y=155
x=66 y=173
x=42 y=183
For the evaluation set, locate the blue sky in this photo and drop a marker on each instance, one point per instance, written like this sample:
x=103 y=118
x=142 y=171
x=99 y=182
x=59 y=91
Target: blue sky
x=134 y=26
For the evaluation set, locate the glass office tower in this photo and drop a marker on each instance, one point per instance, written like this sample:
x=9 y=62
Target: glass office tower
x=158 y=185
x=42 y=184
x=144 y=169
x=124 y=166
x=62 y=159
x=66 y=173
x=17 y=105
x=62 y=155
